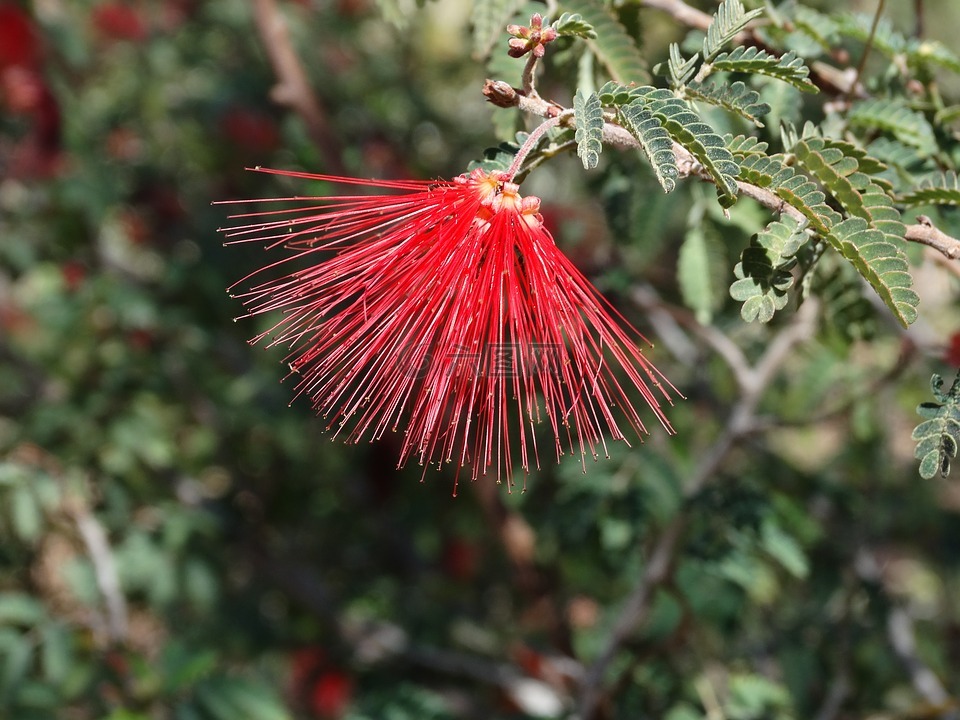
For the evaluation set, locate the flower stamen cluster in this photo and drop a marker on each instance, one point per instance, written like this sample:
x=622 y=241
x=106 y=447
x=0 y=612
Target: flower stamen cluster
x=446 y=310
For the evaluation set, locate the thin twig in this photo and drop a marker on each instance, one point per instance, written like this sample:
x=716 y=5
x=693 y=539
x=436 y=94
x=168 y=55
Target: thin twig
x=866 y=48
x=501 y=94
x=824 y=76
x=739 y=424
x=95 y=541
x=293 y=89
x=903 y=640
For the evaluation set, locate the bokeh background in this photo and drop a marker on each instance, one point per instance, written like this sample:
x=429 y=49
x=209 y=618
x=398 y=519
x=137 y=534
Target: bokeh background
x=177 y=541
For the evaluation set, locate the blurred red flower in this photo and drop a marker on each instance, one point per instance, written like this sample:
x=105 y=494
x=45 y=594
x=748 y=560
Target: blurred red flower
x=19 y=45
x=119 y=22
x=952 y=354
x=254 y=132
x=446 y=310
x=331 y=694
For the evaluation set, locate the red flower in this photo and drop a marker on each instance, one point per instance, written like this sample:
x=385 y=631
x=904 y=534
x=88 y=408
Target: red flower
x=952 y=354
x=446 y=312
x=331 y=694
x=120 y=22
x=19 y=46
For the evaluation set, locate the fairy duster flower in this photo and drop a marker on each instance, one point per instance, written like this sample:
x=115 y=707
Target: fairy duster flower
x=445 y=311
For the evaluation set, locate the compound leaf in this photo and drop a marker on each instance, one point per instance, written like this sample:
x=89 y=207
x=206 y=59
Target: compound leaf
x=939 y=435
x=880 y=262
x=489 y=19
x=654 y=141
x=612 y=45
x=730 y=18
x=763 y=273
x=944 y=190
x=573 y=24
x=737 y=98
x=898 y=119
x=788 y=68
x=688 y=130
x=588 y=116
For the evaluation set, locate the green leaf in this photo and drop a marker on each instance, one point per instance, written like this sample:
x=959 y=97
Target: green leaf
x=16 y=652
x=788 y=68
x=614 y=94
x=613 y=46
x=701 y=271
x=25 y=513
x=56 y=652
x=689 y=131
x=883 y=38
x=736 y=97
x=573 y=24
x=496 y=159
x=944 y=190
x=730 y=18
x=654 y=141
x=20 y=609
x=588 y=116
x=680 y=70
x=489 y=20
x=791 y=187
x=754 y=696
x=763 y=276
x=785 y=549
x=924 y=53
x=743 y=145
x=815 y=25
x=898 y=119
x=938 y=437
x=229 y=698
x=880 y=262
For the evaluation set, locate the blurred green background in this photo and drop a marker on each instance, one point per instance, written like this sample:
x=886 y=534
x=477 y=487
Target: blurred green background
x=178 y=542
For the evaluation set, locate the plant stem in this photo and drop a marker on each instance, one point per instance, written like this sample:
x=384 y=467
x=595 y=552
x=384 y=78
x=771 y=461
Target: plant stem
x=866 y=49
x=531 y=142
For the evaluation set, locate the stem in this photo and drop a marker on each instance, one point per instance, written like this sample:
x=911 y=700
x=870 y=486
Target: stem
x=532 y=139
x=866 y=49
x=528 y=79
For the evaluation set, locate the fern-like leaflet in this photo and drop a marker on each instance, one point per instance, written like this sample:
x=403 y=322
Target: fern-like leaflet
x=730 y=18
x=939 y=435
x=881 y=262
x=654 y=141
x=898 y=119
x=944 y=190
x=790 y=186
x=737 y=98
x=688 y=130
x=573 y=24
x=588 y=116
x=612 y=45
x=788 y=68
x=763 y=273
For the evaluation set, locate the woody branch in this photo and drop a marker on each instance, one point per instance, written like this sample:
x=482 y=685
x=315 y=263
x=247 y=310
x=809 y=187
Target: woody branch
x=503 y=95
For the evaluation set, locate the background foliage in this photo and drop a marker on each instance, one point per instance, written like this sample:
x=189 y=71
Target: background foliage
x=177 y=542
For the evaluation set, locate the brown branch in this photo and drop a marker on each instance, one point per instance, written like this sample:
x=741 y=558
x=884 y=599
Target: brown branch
x=94 y=538
x=925 y=233
x=683 y=13
x=900 y=633
x=753 y=382
x=293 y=88
x=503 y=95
